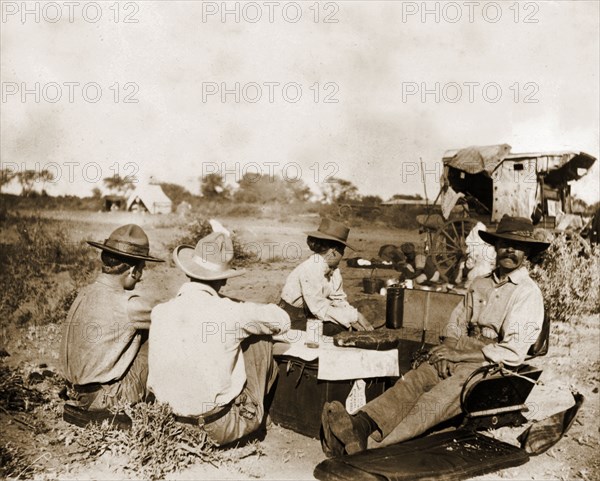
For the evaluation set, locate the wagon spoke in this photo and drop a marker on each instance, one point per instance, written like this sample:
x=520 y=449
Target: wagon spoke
x=447 y=255
x=453 y=241
x=456 y=235
x=444 y=258
x=451 y=244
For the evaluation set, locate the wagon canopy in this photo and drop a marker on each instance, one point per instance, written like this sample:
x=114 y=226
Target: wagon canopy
x=500 y=182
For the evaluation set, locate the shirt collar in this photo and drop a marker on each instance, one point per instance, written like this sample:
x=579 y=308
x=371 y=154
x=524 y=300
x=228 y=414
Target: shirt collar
x=320 y=260
x=516 y=277
x=196 y=288
x=110 y=280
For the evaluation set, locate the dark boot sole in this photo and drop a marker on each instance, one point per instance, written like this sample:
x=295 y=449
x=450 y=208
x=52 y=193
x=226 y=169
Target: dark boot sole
x=341 y=427
x=331 y=446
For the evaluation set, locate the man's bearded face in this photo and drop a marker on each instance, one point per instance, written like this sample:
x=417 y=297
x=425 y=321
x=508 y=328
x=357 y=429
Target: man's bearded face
x=510 y=254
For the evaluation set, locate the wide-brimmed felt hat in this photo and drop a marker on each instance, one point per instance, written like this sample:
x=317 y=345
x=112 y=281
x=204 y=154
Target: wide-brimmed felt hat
x=128 y=240
x=209 y=260
x=332 y=230
x=518 y=229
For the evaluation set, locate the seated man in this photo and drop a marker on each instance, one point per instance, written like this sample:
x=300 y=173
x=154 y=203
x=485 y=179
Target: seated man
x=102 y=352
x=210 y=357
x=418 y=267
x=314 y=289
x=501 y=318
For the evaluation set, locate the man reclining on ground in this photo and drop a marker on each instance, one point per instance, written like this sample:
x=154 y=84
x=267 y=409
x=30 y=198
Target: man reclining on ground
x=501 y=318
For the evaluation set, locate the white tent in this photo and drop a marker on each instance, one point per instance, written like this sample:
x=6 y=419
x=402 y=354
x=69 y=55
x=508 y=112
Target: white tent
x=149 y=198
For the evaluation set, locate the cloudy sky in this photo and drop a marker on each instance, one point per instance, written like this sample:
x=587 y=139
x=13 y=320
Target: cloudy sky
x=357 y=89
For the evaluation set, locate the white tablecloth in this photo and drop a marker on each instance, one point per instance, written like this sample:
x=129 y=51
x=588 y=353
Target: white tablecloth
x=338 y=363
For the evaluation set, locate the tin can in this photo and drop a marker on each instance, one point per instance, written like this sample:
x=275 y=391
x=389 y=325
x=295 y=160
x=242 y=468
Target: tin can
x=393 y=307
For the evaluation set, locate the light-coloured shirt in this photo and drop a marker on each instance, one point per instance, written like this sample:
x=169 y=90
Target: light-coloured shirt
x=195 y=359
x=100 y=340
x=314 y=284
x=511 y=312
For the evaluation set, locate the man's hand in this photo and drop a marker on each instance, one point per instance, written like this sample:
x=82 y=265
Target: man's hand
x=444 y=353
x=362 y=324
x=447 y=352
x=444 y=368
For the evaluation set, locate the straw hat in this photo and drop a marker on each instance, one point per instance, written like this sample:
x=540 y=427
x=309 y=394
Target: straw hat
x=209 y=260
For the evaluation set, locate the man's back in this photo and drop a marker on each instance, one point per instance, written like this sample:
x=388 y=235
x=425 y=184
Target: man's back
x=99 y=343
x=195 y=360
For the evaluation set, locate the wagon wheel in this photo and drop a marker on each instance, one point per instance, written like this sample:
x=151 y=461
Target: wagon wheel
x=449 y=246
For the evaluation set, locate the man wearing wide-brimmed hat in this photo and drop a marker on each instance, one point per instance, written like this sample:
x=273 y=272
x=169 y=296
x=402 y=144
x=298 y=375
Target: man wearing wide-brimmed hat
x=102 y=352
x=211 y=358
x=314 y=288
x=502 y=317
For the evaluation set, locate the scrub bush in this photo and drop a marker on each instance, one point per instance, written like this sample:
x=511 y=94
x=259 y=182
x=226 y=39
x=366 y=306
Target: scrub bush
x=37 y=252
x=155 y=445
x=569 y=276
x=201 y=228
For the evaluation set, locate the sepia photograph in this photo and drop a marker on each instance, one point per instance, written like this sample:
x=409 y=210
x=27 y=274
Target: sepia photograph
x=299 y=240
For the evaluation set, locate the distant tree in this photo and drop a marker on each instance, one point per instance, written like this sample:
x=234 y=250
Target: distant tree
x=406 y=197
x=176 y=192
x=212 y=186
x=96 y=193
x=578 y=206
x=338 y=190
x=6 y=175
x=371 y=200
x=257 y=188
x=593 y=208
x=299 y=190
x=119 y=185
x=43 y=177
x=27 y=178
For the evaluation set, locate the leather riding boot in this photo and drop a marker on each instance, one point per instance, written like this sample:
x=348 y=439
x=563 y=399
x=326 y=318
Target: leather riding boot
x=351 y=431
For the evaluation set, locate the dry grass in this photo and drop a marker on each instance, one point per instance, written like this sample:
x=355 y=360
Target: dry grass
x=32 y=290
x=155 y=446
x=16 y=394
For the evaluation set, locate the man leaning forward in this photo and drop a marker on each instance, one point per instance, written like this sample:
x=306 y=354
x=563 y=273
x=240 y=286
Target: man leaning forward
x=211 y=358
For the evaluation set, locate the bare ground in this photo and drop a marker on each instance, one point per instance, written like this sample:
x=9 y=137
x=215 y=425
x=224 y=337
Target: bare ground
x=572 y=363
